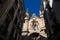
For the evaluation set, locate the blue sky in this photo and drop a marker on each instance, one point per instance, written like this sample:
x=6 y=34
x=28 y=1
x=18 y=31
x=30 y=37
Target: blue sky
x=33 y=6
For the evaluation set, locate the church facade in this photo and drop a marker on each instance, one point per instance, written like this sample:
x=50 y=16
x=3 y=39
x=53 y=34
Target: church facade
x=34 y=26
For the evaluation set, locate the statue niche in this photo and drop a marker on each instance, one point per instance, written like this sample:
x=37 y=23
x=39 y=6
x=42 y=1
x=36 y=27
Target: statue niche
x=34 y=24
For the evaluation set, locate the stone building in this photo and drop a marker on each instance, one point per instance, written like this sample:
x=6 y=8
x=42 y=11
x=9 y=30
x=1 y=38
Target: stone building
x=15 y=24
x=34 y=28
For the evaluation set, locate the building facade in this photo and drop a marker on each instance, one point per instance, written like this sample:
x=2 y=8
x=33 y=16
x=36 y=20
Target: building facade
x=34 y=28
x=15 y=24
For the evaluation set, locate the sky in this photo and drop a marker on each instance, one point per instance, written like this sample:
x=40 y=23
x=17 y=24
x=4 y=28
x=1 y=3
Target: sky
x=33 y=6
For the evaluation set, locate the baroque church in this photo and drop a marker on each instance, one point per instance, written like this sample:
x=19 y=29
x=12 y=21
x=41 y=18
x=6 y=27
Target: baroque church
x=16 y=24
x=34 y=27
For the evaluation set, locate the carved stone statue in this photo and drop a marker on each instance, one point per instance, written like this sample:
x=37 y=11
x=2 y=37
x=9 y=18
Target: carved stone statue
x=34 y=24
